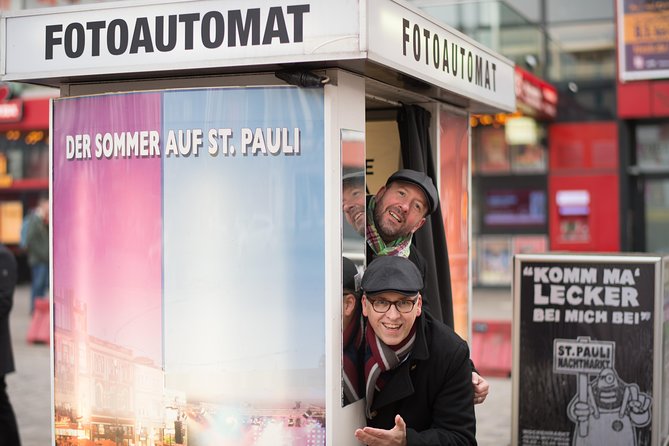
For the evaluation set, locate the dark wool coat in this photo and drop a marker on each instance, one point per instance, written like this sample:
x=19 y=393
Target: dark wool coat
x=431 y=390
x=7 y=284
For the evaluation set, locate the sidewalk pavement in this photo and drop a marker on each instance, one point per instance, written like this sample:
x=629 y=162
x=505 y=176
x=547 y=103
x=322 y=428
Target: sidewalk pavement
x=29 y=387
x=493 y=417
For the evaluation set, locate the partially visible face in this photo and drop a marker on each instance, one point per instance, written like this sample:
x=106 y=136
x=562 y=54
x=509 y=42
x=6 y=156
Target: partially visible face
x=400 y=210
x=353 y=205
x=347 y=309
x=392 y=327
x=44 y=206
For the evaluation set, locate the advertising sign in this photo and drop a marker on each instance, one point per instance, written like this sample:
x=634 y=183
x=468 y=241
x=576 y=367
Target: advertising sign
x=584 y=350
x=188 y=275
x=176 y=35
x=405 y=40
x=643 y=26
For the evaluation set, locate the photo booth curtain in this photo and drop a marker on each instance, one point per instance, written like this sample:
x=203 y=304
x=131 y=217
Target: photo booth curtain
x=414 y=125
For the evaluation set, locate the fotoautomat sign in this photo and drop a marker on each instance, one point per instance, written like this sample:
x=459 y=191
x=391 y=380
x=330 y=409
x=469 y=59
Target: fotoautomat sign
x=175 y=35
x=584 y=349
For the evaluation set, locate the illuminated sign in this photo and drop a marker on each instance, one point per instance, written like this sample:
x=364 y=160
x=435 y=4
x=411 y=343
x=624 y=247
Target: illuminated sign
x=535 y=97
x=11 y=110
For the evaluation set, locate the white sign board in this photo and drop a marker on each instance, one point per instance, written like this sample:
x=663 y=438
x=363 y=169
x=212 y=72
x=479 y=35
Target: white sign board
x=176 y=35
x=582 y=356
x=410 y=42
x=127 y=37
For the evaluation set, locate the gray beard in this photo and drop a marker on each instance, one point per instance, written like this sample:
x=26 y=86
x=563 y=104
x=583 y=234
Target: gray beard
x=387 y=237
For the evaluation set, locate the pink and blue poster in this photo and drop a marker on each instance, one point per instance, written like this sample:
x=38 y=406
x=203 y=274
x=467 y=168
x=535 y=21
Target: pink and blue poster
x=188 y=267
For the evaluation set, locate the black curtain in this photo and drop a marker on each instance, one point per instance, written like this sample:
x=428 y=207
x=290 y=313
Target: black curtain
x=414 y=125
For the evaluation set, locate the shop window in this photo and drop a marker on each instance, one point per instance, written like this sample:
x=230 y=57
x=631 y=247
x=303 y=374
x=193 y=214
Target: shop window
x=26 y=154
x=652 y=145
x=512 y=205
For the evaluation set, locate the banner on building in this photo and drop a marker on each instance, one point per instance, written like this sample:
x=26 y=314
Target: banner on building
x=643 y=48
x=585 y=349
x=188 y=267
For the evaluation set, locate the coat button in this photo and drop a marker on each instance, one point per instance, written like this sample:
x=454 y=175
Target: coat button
x=373 y=414
x=413 y=366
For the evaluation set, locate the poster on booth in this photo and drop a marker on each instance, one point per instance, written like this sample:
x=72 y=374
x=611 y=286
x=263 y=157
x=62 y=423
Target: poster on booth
x=583 y=347
x=188 y=267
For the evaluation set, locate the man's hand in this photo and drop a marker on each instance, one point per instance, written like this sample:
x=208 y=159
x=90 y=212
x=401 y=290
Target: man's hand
x=481 y=388
x=397 y=436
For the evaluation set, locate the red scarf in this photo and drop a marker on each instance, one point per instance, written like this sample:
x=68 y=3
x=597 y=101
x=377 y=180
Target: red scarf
x=353 y=339
x=380 y=358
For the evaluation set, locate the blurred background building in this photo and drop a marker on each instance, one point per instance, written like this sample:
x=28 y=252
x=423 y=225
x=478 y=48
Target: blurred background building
x=591 y=174
x=582 y=165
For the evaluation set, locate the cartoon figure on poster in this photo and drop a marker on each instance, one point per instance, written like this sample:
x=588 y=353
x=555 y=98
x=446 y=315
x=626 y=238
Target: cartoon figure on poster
x=605 y=409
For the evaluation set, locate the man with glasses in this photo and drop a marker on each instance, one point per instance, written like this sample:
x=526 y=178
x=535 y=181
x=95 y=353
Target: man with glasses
x=394 y=214
x=417 y=371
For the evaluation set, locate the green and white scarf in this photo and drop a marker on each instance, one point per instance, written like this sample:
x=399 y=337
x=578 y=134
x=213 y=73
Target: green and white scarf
x=399 y=247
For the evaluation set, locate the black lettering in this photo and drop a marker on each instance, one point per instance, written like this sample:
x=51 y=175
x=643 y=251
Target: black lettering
x=95 y=28
x=369 y=166
x=171 y=33
x=188 y=20
x=479 y=71
x=454 y=58
x=435 y=51
x=405 y=36
x=462 y=63
x=141 y=36
x=251 y=26
x=444 y=64
x=119 y=27
x=52 y=40
x=74 y=40
x=275 y=27
x=487 y=75
x=416 y=43
x=219 y=29
x=298 y=21
x=470 y=66
x=494 y=71
x=426 y=34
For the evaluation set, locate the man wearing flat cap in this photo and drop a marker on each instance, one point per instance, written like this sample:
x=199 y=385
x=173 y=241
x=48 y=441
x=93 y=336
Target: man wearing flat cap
x=353 y=200
x=398 y=210
x=417 y=372
x=394 y=214
x=352 y=332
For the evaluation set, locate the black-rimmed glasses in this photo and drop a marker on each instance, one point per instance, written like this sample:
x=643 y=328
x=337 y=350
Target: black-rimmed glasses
x=403 y=306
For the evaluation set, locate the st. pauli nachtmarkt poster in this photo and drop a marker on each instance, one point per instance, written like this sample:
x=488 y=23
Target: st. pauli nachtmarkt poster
x=584 y=350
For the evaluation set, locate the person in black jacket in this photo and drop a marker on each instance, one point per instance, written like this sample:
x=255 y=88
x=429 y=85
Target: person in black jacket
x=394 y=214
x=9 y=433
x=417 y=372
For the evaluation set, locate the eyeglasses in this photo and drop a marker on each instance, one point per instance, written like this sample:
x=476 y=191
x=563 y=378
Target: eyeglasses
x=382 y=305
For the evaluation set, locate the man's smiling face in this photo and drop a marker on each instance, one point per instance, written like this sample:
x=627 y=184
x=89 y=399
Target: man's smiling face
x=353 y=201
x=392 y=327
x=400 y=210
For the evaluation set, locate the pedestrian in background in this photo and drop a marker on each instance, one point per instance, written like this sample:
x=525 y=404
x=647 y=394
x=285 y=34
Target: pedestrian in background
x=37 y=248
x=9 y=433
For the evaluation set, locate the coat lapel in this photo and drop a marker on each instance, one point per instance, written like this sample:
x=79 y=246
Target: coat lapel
x=399 y=386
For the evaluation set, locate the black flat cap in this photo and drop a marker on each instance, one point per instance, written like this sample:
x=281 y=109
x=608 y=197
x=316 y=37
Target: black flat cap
x=421 y=180
x=392 y=273
x=353 y=178
x=349 y=275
